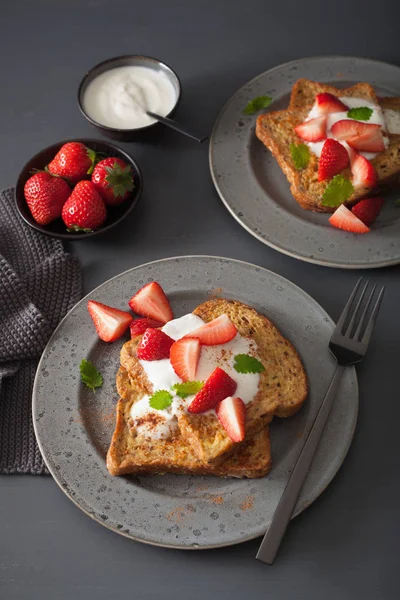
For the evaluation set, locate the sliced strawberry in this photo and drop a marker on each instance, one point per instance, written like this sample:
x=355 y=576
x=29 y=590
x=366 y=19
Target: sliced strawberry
x=217 y=387
x=348 y=128
x=218 y=331
x=364 y=174
x=151 y=301
x=371 y=141
x=139 y=326
x=368 y=209
x=184 y=357
x=344 y=219
x=231 y=413
x=333 y=160
x=313 y=130
x=327 y=103
x=110 y=322
x=154 y=345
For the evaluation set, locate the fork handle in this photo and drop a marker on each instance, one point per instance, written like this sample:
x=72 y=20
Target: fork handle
x=281 y=517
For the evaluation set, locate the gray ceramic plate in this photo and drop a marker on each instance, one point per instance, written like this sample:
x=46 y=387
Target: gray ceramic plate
x=74 y=426
x=256 y=192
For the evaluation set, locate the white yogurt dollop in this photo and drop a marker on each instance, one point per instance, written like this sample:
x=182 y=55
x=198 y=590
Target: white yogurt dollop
x=120 y=97
x=162 y=377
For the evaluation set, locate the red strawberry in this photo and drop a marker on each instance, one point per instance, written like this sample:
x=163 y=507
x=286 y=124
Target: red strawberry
x=140 y=325
x=218 y=331
x=45 y=196
x=346 y=129
x=217 y=387
x=111 y=323
x=313 y=130
x=231 y=413
x=73 y=161
x=334 y=159
x=184 y=357
x=364 y=174
x=85 y=209
x=113 y=180
x=151 y=301
x=154 y=345
x=327 y=103
x=371 y=141
x=344 y=219
x=368 y=209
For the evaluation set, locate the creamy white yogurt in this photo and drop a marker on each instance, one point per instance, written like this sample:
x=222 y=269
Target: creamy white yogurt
x=120 y=97
x=162 y=377
x=376 y=118
x=392 y=118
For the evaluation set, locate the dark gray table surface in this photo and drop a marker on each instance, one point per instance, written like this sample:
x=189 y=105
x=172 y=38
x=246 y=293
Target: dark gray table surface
x=347 y=544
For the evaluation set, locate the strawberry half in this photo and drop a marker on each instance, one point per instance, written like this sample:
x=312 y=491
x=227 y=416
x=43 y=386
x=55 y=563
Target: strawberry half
x=218 y=331
x=184 y=357
x=344 y=219
x=347 y=128
x=364 y=174
x=334 y=159
x=154 y=345
x=216 y=388
x=231 y=413
x=327 y=103
x=151 y=301
x=371 y=141
x=313 y=130
x=368 y=209
x=110 y=322
x=139 y=326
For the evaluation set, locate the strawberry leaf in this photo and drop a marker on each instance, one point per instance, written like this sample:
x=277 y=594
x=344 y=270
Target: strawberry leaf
x=244 y=363
x=77 y=229
x=90 y=376
x=92 y=155
x=257 y=104
x=300 y=155
x=188 y=388
x=160 y=400
x=361 y=113
x=338 y=191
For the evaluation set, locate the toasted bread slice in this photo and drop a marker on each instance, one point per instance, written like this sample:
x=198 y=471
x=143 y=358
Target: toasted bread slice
x=281 y=392
x=130 y=453
x=276 y=131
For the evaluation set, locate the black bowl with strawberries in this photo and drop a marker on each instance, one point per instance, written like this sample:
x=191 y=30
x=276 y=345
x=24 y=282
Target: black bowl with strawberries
x=76 y=189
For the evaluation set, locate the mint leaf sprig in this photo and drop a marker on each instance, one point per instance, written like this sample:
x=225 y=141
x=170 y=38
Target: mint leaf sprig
x=257 y=104
x=361 y=113
x=90 y=376
x=188 y=388
x=337 y=191
x=161 y=400
x=300 y=155
x=244 y=363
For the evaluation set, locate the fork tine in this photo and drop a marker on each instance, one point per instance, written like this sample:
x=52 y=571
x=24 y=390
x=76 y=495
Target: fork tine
x=356 y=311
x=346 y=310
x=370 y=326
x=364 y=314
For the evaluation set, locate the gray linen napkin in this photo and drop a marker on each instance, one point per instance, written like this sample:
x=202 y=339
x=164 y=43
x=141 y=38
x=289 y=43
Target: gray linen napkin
x=39 y=283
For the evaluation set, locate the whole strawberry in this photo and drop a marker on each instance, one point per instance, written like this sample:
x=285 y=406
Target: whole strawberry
x=113 y=180
x=73 y=161
x=85 y=209
x=45 y=196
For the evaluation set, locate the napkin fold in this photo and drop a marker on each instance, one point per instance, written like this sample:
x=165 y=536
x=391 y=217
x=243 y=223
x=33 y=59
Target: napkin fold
x=39 y=283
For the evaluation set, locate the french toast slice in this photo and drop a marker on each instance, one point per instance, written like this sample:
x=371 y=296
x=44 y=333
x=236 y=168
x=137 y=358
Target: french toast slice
x=282 y=388
x=276 y=131
x=130 y=453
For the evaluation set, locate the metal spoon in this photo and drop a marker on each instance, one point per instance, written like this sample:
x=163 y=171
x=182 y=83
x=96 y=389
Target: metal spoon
x=178 y=127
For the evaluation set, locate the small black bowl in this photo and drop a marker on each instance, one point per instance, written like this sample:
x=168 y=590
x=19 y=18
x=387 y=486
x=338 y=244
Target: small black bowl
x=126 y=135
x=57 y=229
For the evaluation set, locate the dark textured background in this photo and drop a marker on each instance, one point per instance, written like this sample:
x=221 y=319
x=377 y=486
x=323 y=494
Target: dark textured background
x=347 y=545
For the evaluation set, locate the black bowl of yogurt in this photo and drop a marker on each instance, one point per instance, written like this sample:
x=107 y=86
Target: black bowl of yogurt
x=115 y=94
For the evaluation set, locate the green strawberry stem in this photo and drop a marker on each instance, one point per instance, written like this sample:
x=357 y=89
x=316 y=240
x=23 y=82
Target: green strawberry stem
x=93 y=157
x=119 y=179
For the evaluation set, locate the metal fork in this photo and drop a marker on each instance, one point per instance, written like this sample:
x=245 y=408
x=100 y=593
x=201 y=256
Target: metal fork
x=348 y=345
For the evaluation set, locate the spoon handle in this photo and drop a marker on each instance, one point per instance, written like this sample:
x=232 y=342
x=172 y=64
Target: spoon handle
x=189 y=132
